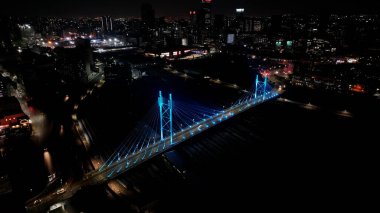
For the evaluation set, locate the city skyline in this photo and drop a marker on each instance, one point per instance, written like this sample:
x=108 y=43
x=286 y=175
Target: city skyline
x=174 y=106
x=178 y=8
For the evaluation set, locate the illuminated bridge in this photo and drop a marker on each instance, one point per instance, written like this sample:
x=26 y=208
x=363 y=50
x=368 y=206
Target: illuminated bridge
x=166 y=125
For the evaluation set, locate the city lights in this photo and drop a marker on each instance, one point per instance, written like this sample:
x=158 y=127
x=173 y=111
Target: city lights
x=101 y=104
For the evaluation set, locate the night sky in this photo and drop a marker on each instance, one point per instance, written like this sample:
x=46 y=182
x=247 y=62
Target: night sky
x=180 y=7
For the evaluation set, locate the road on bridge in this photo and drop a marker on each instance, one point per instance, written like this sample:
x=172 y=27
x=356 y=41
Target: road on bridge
x=121 y=165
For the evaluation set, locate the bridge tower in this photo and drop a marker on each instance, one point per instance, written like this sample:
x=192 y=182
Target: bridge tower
x=166 y=117
x=261 y=87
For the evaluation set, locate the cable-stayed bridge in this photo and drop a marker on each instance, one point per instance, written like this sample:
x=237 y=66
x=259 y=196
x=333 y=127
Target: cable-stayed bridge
x=166 y=125
x=170 y=123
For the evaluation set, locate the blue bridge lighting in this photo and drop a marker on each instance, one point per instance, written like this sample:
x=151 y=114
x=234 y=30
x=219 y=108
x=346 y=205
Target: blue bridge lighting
x=170 y=123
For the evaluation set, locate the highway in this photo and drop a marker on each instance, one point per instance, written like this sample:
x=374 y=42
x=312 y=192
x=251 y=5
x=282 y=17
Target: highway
x=124 y=164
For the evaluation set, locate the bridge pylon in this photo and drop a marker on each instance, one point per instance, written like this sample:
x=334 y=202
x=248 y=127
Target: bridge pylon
x=166 y=117
x=261 y=87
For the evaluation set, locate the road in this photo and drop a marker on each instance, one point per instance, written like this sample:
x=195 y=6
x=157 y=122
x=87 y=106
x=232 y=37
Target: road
x=124 y=164
x=213 y=81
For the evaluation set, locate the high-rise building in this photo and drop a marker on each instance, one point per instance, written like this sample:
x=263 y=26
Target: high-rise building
x=147 y=14
x=77 y=63
x=219 y=22
x=2 y=89
x=9 y=35
x=204 y=14
x=229 y=22
x=107 y=25
x=193 y=17
x=257 y=26
x=243 y=24
x=248 y=25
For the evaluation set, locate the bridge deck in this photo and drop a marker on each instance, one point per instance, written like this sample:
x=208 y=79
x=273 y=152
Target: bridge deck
x=114 y=169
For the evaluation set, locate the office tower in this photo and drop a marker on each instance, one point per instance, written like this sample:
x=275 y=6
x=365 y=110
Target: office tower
x=147 y=14
x=107 y=24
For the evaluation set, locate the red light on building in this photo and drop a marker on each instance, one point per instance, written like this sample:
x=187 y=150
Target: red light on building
x=11 y=119
x=265 y=73
x=357 y=88
x=207 y=1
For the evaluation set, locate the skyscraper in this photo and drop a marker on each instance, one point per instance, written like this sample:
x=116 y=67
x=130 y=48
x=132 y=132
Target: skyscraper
x=147 y=14
x=243 y=23
x=193 y=17
x=2 y=88
x=107 y=24
x=219 y=22
x=248 y=25
x=204 y=14
x=257 y=26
